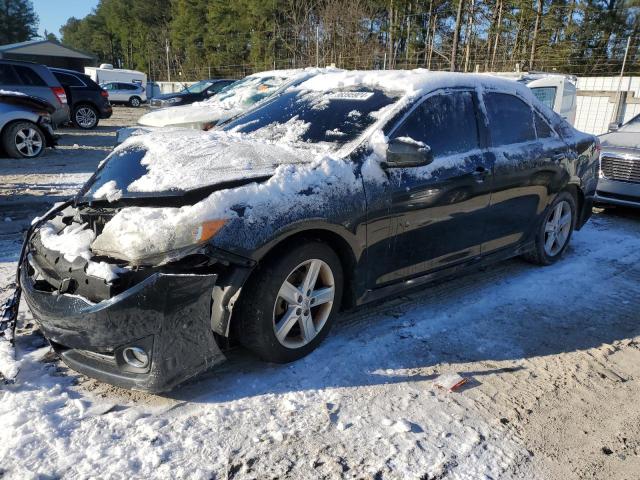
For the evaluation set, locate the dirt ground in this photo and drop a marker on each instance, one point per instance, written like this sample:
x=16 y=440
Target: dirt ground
x=553 y=353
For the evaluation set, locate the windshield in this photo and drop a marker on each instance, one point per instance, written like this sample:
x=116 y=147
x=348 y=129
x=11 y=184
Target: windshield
x=334 y=117
x=250 y=90
x=546 y=95
x=197 y=87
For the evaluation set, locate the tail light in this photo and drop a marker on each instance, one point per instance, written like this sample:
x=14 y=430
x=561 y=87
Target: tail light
x=60 y=94
x=104 y=93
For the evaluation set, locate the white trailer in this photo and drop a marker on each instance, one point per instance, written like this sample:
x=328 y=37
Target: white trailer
x=106 y=73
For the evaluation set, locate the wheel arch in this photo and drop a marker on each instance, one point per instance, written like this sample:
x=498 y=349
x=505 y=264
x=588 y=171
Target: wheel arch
x=343 y=247
x=47 y=142
x=576 y=191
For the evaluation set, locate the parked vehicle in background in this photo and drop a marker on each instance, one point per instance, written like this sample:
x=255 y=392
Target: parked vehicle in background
x=130 y=94
x=232 y=100
x=25 y=125
x=556 y=91
x=619 y=182
x=199 y=91
x=35 y=80
x=345 y=188
x=106 y=73
x=87 y=100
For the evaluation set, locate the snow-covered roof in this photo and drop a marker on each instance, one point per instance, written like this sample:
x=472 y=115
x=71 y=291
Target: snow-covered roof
x=231 y=101
x=409 y=82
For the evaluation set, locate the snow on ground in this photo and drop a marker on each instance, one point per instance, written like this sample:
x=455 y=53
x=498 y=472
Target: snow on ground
x=364 y=404
x=551 y=355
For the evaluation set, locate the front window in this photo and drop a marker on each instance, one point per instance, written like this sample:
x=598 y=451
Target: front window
x=197 y=87
x=446 y=122
x=546 y=95
x=333 y=117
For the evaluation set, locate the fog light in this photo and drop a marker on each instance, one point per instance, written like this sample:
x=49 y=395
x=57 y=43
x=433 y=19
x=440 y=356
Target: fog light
x=136 y=357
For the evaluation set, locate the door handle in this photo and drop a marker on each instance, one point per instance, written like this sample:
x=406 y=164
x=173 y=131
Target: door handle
x=480 y=173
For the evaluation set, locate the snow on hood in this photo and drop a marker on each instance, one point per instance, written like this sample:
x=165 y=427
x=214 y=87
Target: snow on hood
x=136 y=233
x=187 y=159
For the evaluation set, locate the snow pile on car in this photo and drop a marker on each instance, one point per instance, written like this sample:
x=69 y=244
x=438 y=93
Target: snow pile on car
x=230 y=102
x=190 y=159
x=138 y=232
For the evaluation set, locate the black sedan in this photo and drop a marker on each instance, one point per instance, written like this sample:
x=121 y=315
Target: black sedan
x=193 y=93
x=347 y=188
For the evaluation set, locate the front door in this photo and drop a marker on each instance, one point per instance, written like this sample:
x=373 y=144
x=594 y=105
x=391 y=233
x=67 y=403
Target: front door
x=427 y=218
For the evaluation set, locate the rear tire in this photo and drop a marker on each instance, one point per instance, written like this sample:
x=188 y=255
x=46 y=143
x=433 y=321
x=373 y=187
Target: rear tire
x=135 y=102
x=23 y=140
x=284 y=313
x=85 y=117
x=554 y=233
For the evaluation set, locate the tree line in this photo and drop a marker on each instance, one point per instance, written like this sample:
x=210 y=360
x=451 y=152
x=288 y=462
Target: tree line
x=191 y=39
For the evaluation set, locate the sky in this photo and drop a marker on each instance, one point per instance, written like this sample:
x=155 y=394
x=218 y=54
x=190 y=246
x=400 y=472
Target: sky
x=55 y=13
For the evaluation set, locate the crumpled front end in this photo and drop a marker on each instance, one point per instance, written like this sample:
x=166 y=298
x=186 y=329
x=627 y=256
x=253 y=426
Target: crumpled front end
x=146 y=327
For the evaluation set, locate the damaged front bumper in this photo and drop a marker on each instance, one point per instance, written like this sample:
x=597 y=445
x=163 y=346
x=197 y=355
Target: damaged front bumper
x=165 y=319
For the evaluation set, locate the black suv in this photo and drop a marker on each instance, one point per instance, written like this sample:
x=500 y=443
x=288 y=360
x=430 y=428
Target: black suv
x=87 y=100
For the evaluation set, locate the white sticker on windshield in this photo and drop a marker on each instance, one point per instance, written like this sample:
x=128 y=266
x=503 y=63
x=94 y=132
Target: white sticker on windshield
x=350 y=95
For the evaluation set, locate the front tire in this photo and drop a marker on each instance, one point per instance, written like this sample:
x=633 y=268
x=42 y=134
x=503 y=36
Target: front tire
x=554 y=234
x=290 y=302
x=23 y=140
x=85 y=117
x=135 y=102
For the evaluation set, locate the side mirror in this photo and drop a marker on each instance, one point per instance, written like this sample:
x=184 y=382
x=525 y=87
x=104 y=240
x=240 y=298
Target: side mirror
x=614 y=126
x=403 y=152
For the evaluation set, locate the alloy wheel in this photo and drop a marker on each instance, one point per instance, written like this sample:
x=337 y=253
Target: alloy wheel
x=135 y=102
x=86 y=117
x=29 y=142
x=304 y=303
x=557 y=228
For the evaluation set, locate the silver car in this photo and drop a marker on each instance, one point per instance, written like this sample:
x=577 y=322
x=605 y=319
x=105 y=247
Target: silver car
x=619 y=182
x=25 y=125
x=38 y=81
x=131 y=94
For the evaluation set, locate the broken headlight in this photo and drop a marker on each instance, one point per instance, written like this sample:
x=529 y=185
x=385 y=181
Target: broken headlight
x=154 y=243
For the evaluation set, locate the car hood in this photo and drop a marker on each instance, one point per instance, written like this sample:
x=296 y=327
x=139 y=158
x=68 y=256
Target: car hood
x=621 y=139
x=196 y=115
x=172 y=162
x=165 y=96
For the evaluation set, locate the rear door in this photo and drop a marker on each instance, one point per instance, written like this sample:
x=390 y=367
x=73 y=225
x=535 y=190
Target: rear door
x=436 y=213
x=527 y=167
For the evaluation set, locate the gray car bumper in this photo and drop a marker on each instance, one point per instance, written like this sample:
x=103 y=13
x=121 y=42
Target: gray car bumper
x=614 y=192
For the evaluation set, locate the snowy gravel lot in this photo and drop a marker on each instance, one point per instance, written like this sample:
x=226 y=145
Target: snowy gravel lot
x=552 y=355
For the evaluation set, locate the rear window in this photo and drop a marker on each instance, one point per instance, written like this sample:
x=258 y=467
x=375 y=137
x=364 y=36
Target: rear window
x=542 y=128
x=8 y=75
x=29 y=77
x=68 y=79
x=510 y=119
